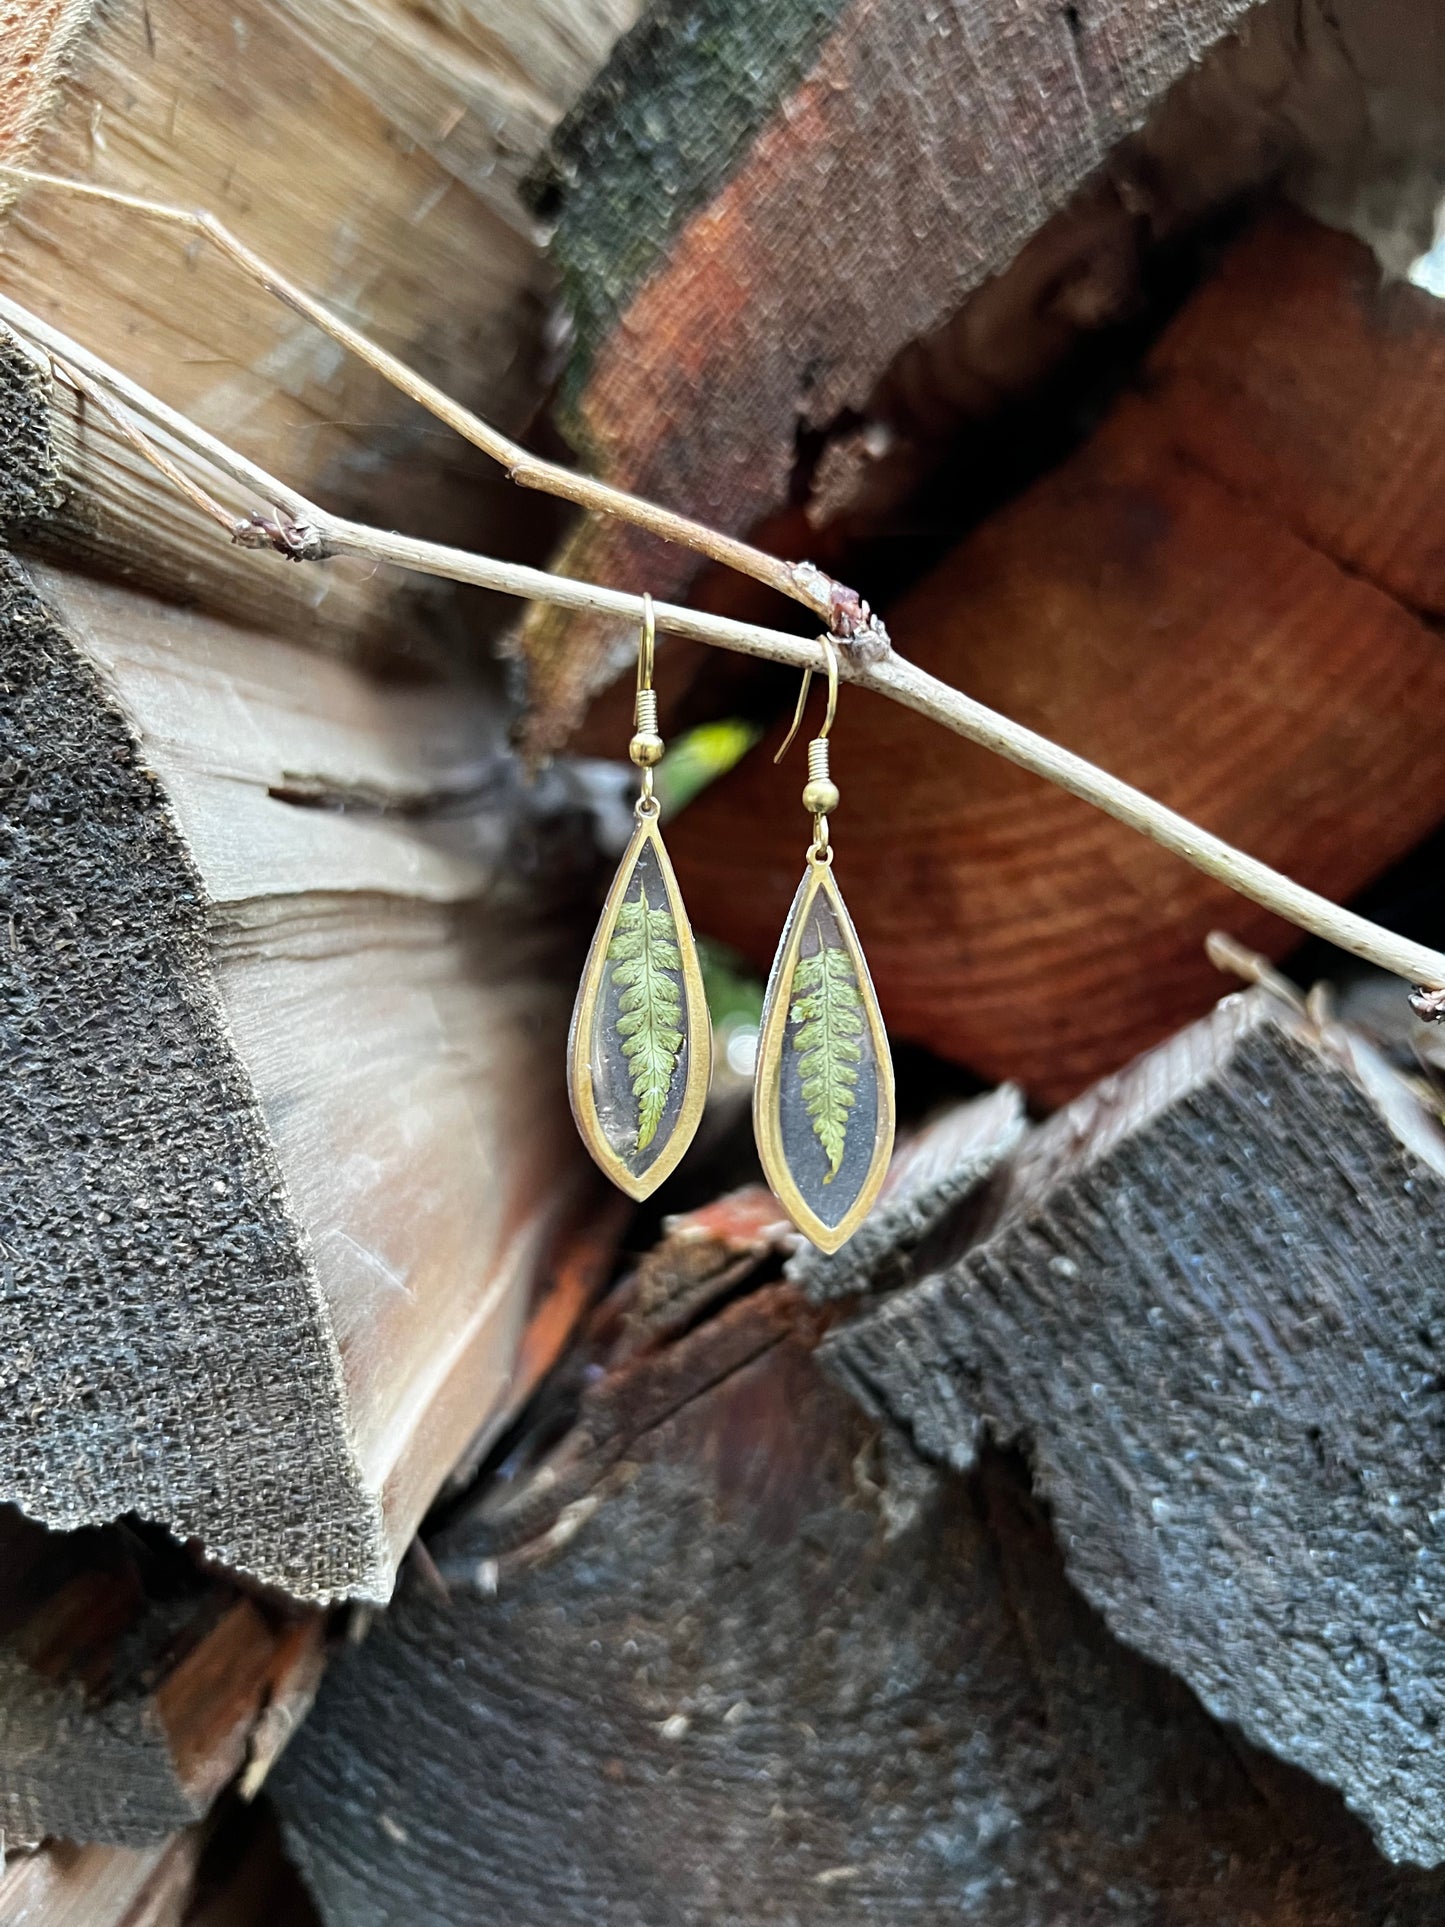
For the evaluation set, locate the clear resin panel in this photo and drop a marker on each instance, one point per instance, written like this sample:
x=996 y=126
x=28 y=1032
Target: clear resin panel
x=824 y=1098
x=640 y=1047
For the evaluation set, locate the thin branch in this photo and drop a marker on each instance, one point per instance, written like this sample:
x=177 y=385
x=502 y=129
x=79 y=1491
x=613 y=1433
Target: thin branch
x=845 y=612
x=173 y=472
x=298 y=529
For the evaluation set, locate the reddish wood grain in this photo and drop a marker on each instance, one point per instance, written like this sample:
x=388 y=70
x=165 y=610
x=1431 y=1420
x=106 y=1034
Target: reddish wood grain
x=1199 y=639
x=1306 y=381
x=916 y=157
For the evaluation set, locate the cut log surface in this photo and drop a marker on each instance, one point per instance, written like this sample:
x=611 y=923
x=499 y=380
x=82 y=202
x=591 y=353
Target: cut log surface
x=288 y=1138
x=370 y=149
x=133 y=1688
x=1211 y=1314
x=68 y=1886
x=1337 y=429
x=769 y=1667
x=762 y=203
x=1197 y=604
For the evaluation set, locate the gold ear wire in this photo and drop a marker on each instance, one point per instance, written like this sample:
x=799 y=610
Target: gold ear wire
x=831 y=655
x=646 y=645
x=645 y=749
x=820 y=795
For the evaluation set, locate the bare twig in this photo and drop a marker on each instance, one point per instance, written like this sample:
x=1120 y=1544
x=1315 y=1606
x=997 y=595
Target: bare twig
x=845 y=612
x=299 y=530
x=173 y=472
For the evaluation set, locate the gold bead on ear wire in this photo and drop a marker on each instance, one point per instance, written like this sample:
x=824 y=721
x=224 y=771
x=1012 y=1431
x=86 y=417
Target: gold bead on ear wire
x=640 y=1051
x=823 y=1104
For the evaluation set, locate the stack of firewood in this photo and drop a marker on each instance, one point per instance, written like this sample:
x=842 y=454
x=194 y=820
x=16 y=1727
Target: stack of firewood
x=395 y=1528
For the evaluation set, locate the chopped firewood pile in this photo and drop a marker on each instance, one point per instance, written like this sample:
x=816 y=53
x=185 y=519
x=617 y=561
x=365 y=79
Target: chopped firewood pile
x=400 y=1522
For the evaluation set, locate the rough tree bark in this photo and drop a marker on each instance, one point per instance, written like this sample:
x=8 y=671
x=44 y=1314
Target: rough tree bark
x=288 y=1139
x=1211 y=1313
x=754 y=1662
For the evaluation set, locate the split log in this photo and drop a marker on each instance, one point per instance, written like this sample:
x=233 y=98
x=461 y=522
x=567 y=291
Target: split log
x=385 y=183
x=287 y=1139
x=76 y=490
x=227 y=1873
x=855 y=230
x=762 y=203
x=133 y=1688
x=1211 y=1314
x=65 y=1886
x=1169 y=603
x=754 y=1662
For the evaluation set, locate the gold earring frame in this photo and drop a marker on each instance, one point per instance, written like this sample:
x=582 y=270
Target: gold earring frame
x=645 y=751
x=820 y=796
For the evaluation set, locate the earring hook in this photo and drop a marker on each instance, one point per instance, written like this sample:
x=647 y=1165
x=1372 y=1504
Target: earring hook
x=832 y=659
x=646 y=645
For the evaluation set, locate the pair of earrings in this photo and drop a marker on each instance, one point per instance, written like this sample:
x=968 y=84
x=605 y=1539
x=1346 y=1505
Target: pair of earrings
x=640 y=1050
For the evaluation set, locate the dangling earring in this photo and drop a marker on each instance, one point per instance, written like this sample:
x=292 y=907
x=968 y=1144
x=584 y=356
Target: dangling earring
x=639 y=1055
x=823 y=1107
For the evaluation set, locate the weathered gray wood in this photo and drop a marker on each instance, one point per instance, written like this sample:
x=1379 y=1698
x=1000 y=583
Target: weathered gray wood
x=478 y=87
x=166 y=100
x=769 y=1667
x=1211 y=1314
x=921 y=1216
x=764 y=202
x=287 y=1137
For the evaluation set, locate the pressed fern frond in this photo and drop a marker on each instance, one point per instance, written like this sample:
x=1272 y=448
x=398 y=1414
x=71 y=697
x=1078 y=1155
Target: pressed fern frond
x=643 y=954
x=828 y=1012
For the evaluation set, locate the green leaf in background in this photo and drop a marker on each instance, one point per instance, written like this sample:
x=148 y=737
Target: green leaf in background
x=734 y=993
x=699 y=757
x=643 y=954
x=828 y=1013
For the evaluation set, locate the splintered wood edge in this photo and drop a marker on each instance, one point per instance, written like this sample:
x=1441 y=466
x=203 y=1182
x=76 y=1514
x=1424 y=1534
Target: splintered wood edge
x=128 y=888
x=74 y=490
x=39 y=39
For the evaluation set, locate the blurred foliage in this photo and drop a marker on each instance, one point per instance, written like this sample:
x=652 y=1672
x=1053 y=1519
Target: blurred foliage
x=734 y=994
x=698 y=757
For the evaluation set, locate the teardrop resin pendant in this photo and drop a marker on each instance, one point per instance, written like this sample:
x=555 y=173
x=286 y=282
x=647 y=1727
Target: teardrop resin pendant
x=823 y=1108
x=640 y=1051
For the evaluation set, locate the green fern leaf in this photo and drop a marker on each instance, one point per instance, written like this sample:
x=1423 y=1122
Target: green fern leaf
x=827 y=1011
x=643 y=954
